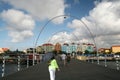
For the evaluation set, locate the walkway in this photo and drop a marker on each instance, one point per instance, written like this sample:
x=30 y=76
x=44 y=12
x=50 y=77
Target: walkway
x=76 y=70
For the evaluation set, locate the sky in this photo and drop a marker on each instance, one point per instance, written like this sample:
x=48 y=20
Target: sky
x=30 y=23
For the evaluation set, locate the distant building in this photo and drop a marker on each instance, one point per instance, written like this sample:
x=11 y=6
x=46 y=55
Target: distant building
x=39 y=49
x=79 y=48
x=72 y=47
x=84 y=47
x=48 y=47
x=101 y=50
x=104 y=50
x=115 y=48
x=107 y=50
x=57 y=47
x=30 y=50
x=65 y=47
x=2 y=50
x=90 y=47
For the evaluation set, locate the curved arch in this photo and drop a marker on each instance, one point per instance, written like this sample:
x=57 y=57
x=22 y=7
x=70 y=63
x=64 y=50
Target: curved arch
x=65 y=17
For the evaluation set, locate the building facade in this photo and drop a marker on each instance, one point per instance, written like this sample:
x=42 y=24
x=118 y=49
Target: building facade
x=65 y=47
x=48 y=47
x=57 y=47
x=115 y=49
x=2 y=50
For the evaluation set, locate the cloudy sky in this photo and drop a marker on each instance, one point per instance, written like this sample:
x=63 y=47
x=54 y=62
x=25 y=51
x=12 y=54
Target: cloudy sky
x=29 y=23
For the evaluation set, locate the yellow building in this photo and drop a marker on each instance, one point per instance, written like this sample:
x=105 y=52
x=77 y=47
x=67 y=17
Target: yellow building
x=115 y=48
x=107 y=50
x=104 y=50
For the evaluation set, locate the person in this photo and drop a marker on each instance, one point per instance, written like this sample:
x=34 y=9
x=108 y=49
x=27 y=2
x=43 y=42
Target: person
x=63 y=57
x=52 y=66
x=68 y=58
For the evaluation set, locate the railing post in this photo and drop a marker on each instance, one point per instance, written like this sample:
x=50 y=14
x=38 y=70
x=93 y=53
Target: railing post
x=105 y=60
x=117 y=64
x=19 y=63
x=27 y=61
x=98 y=61
x=3 y=67
x=92 y=58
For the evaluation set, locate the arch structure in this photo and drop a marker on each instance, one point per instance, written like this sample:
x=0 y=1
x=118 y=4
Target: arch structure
x=65 y=16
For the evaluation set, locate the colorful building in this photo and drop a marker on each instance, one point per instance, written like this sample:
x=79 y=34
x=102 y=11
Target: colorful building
x=72 y=48
x=48 y=47
x=79 y=48
x=84 y=47
x=2 y=50
x=65 y=47
x=115 y=48
x=57 y=47
x=90 y=47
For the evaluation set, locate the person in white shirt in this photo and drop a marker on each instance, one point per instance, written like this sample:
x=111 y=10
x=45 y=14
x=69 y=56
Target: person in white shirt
x=63 y=57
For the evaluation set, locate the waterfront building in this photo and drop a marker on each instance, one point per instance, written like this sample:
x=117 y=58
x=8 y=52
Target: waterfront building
x=73 y=48
x=101 y=50
x=30 y=50
x=57 y=47
x=39 y=49
x=65 y=47
x=48 y=47
x=115 y=49
x=84 y=47
x=90 y=47
x=2 y=50
x=104 y=50
x=107 y=50
x=79 y=49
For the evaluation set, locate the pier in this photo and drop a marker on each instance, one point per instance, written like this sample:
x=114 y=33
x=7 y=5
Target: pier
x=75 y=70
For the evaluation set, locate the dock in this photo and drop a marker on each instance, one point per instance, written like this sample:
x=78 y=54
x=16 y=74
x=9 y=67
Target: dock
x=75 y=70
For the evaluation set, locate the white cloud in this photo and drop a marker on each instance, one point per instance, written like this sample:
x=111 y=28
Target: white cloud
x=103 y=22
x=61 y=37
x=41 y=9
x=20 y=25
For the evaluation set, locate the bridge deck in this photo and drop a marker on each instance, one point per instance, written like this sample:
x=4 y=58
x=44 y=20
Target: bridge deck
x=76 y=70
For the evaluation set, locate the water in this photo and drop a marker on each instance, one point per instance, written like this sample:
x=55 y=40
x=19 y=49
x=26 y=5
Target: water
x=11 y=68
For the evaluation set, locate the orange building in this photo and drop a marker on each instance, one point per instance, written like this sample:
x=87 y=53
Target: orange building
x=57 y=47
x=2 y=50
x=115 y=48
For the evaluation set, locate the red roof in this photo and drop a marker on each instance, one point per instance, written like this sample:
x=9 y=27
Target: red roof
x=5 y=49
x=47 y=44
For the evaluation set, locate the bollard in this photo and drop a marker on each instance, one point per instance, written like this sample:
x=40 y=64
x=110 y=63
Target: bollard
x=33 y=59
x=88 y=59
x=98 y=61
x=27 y=61
x=3 y=67
x=105 y=61
x=18 y=63
x=92 y=58
x=117 y=64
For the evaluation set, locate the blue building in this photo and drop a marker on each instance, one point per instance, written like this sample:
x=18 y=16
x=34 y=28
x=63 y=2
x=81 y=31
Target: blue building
x=72 y=48
x=65 y=47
